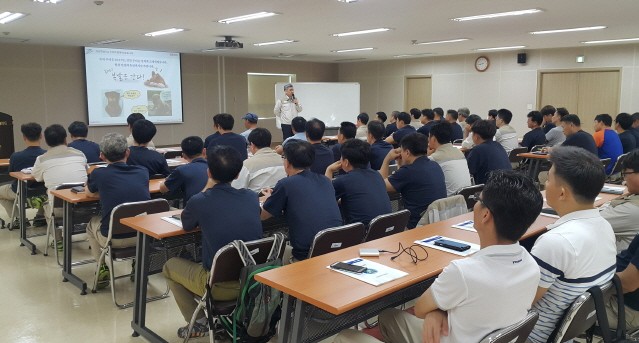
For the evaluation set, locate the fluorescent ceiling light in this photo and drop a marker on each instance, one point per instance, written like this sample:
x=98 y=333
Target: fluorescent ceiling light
x=502 y=48
x=351 y=50
x=411 y=55
x=347 y=1
x=611 y=41
x=108 y=41
x=350 y=60
x=498 y=15
x=569 y=30
x=6 y=17
x=163 y=32
x=442 y=41
x=257 y=15
x=353 y=33
x=48 y=1
x=285 y=41
x=289 y=55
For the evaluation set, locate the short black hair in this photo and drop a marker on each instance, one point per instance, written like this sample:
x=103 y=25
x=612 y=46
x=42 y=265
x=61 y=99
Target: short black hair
x=428 y=113
x=224 y=163
x=439 y=111
x=299 y=124
x=348 y=129
x=547 y=110
x=492 y=113
x=416 y=143
x=571 y=118
x=536 y=116
x=192 y=146
x=300 y=154
x=260 y=137
x=363 y=117
x=376 y=129
x=562 y=111
x=357 y=152
x=631 y=161
x=453 y=114
x=581 y=170
x=224 y=120
x=315 y=129
x=505 y=115
x=624 y=120
x=143 y=131
x=382 y=116
x=78 y=129
x=31 y=131
x=514 y=201
x=635 y=116
x=442 y=132
x=472 y=119
x=133 y=117
x=55 y=135
x=485 y=129
x=416 y=113
x=404 y=117
x=605 y=118
x=394 y=114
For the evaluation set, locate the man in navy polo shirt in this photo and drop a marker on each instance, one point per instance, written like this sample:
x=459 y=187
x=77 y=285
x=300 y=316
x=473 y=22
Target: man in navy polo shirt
x=153 y=161
x=403 y=129
x=458 y=132
x=536 y=134
x=306 y=199
x=223 y=123
x=419 y=180
x=379 y=147
x=189 y=178
x=323 y=154
x=224 y=214
x=361 y=191
x=78 y=132
x=487 y=155
x=347 y=130
x=116 y=184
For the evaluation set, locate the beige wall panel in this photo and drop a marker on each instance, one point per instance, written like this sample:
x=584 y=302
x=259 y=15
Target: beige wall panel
x=419 y=66
x=21 y=56
x=598 y=93
x=517 y=90
x=560 y=90
x=418 y=93
x=448 y=90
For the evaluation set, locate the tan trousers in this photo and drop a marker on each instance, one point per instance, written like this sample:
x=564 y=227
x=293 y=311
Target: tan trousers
x=97 y=241
x=7 y=197
x=186 y=280
x=632 y=316
x=396 y=326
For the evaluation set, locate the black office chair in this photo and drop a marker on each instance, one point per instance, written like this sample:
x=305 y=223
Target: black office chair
x=605 y=162
x=515 y=160
x=469 y=194
x=516 y=333
x=336 y=238
x=614 y=176
x=387 y=224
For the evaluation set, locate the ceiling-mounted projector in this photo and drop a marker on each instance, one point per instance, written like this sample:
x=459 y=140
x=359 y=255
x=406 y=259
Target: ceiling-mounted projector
x=228 y=43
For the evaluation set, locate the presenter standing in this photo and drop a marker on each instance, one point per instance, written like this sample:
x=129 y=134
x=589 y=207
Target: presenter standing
x=287 y=108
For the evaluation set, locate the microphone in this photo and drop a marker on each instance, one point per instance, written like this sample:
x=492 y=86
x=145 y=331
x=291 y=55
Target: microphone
x=293 y=96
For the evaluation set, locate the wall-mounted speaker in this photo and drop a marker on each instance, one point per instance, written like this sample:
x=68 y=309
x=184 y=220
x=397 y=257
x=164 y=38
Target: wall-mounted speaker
x=521 y=58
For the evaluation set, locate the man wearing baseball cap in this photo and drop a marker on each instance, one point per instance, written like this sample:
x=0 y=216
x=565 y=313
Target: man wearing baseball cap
x=250 y=123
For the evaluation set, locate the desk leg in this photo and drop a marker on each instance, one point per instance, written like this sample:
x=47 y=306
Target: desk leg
x=67 y=272
x=535 y=170
x=22 y=212
x=290 y=328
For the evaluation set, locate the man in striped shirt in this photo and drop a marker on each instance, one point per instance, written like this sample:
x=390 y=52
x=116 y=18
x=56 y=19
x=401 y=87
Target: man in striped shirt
x=578 y=251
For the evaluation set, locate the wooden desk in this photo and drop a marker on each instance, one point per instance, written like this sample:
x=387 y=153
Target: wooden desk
x=168 y=148
x=22 y=216
x=535 y=163
x=4 y=162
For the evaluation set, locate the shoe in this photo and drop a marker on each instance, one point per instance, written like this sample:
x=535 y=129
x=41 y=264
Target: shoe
x=15 y=225
x=198 y=330
x=39 y=221
x=103 y=277
x=57 y=245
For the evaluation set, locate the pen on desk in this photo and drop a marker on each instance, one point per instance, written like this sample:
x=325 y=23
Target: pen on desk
x=380 y=275
x=432 y=239
x=466 y=223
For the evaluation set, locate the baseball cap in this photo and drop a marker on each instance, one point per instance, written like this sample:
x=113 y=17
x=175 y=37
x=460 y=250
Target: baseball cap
x=251 y=117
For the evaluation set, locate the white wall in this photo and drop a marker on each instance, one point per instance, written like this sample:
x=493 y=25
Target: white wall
x=505 y=84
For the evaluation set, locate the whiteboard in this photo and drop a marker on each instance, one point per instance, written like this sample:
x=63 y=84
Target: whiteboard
x=330 y=102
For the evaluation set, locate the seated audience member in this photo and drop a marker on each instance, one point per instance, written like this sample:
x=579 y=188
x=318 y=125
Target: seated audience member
x=78 y=132
x=463 y=113
x=628 y=272
x=116 y=184
x=575 y=136
x=208 y=138
x=392 y=126
x=250 y=123
x=223 y=123
x=362 y=121
x=458 y=132
x=487 y=155
x=190 y=178
x=415 y=118
x=347 y=130
x=427 y=120
x=361 y=192
x=635 y=126
x=140 y=155
x=131 y=119
x=31 y=135
x=506 y=134
x=623 y=213
x=468 y=143
x=547 y=112
x=264 y=169
x=623 y=125
x=492 y=115
x=298 y=126
x=306 y=199
x=419 y=180
x=449 y=158
x=569 y=265
x=498 y=282
x=381 y=116
x=215 y=211
x=607 y=140
x=556 y=135
x=323 y=154
x=403 y=129
x=536 y=135
x=439 y=114
x=379 y=147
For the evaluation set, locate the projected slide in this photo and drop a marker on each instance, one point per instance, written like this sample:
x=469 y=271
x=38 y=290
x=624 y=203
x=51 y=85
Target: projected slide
x=121 y=82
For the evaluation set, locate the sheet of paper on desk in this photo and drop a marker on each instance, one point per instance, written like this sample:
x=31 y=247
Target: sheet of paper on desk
x=376 y=274
x=613 y=190
x=27 y=170
x=173 y=221
x=430 y=242
x=173 y=161
x=468 y=225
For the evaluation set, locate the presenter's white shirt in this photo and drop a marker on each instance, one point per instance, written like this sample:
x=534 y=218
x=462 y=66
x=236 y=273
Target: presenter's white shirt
x=286 y=110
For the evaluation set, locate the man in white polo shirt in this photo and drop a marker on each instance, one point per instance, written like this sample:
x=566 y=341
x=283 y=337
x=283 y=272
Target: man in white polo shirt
x=474 y=296
x=578 y=251
x=264 y=168
x=287 y=108
x=448 y=157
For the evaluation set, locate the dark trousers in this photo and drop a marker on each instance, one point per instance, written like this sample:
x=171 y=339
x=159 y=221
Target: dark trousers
x=287 y=131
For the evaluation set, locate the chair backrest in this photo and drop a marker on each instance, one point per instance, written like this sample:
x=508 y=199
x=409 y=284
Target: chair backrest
x=442 y=209
x=387 y=224
x=537 y=148
x=336 y=238
x=469 y=194
x=605 y=162
x=132 y=209
x=156 y=176
x=516 y=333
x=516 y=151
x=172 y=154
x=618 y=165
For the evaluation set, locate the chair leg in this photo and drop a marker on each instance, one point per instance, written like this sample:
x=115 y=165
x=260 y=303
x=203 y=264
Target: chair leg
x=97 y=270
x=200 y=307
x=49 y=233
x=13 y=210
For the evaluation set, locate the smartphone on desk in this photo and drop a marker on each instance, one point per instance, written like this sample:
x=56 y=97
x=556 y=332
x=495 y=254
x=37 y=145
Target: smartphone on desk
x=77 y=189
x=348 y=267
x=177 y=217
x=452 y=245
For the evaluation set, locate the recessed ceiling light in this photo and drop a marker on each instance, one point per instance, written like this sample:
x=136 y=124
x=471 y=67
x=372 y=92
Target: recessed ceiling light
x=163 y=32
x=353 y=33
x=351 y=50
x=611 y=41
x=502 y=48
x=569 y=30
x=252 y=16
x=48 y=1
x=285 y=41
x=498 y=15
x=7 y=17
x=108 y=41
x=411 y=55
x=441 y=41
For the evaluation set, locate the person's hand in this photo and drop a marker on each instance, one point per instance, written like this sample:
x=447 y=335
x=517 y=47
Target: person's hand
x=266 y=193
x=435 y=326
x=394 y=154
x=546 y=150
x=333 y=167
x=295 y=101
